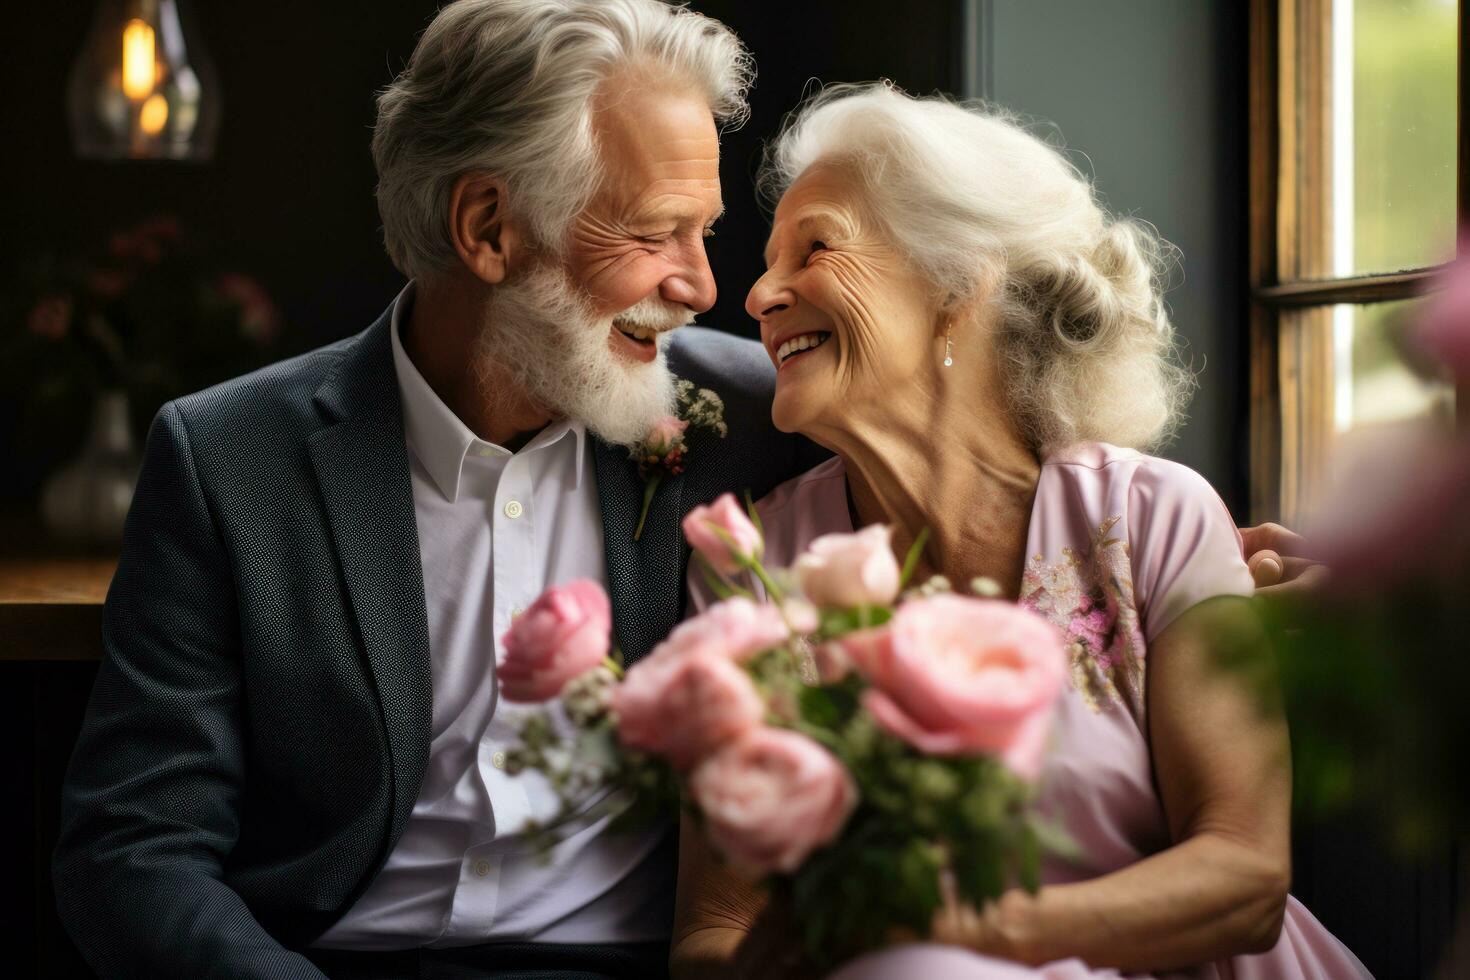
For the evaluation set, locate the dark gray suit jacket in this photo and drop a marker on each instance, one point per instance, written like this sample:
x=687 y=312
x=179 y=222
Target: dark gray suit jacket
x=259 y=726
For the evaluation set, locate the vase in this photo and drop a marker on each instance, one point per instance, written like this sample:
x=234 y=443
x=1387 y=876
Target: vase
x=87 y=500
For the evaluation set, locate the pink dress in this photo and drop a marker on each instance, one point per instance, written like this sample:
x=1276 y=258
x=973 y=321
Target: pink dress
x=1120 y=544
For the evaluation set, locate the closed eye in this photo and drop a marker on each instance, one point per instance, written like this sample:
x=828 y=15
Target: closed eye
x=817 y=246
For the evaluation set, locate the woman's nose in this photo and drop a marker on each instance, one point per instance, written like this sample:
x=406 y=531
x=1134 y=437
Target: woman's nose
x=768 y=296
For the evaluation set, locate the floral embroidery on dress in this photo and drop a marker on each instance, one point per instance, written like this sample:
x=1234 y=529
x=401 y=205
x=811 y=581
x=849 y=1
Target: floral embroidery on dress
x=1089 y=597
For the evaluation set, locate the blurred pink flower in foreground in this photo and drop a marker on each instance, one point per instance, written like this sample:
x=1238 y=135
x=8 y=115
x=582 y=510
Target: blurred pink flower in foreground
x=850 y=570
x=1401 y=512
x=772 y=798
x=1445 y=331
x=736 y=628
x=682 y=708
x=953 y=675
x=566 y=632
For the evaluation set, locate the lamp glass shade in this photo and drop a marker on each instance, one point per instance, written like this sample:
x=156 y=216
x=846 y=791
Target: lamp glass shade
x=143 y=87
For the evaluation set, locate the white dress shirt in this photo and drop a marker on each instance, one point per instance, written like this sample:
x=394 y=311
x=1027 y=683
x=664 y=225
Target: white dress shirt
x=495 y=529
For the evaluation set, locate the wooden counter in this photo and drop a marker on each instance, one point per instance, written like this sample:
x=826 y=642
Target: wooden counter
x=51 y=608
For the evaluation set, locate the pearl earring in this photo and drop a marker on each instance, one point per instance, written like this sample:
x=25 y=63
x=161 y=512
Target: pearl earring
x=948 y=345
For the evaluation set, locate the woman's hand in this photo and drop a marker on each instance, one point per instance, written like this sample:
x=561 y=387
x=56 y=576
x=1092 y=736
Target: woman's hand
x=997 y=930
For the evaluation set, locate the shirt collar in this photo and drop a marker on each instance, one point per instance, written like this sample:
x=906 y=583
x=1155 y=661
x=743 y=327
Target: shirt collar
x=436 y=435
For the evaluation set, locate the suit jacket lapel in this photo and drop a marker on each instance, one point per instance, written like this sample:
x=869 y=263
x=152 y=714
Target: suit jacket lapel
x=361 y=463
x=645 y=577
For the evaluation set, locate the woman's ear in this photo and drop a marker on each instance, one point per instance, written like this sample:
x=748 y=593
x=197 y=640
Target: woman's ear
x=486 y=239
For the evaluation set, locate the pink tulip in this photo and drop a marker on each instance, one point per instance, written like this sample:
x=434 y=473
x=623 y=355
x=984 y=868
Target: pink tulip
x=565 y=633
x=736 y=628
x=771 y=799
x=849 y=570
x=723 y=534
x=953 y=675
x=682 y=708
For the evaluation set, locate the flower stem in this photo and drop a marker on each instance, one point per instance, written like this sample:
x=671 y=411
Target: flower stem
x=773 y=591
x=614 y=666
x=650 y=487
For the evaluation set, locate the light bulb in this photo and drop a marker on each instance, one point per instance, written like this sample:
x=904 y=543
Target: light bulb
x=154 y=114
x=138 y=69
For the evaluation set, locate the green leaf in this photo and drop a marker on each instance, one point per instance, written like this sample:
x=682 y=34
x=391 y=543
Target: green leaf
x=836 y=622
x=911 y=560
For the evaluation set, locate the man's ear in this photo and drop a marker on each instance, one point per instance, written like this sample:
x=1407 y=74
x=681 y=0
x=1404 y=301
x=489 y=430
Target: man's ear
x=486 y=239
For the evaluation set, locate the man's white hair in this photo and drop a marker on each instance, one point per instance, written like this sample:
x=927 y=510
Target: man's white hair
x=507 y=87
x=981 y=206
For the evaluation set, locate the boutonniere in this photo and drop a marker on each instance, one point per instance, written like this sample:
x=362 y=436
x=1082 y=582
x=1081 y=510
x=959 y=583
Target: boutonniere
x=661 y=453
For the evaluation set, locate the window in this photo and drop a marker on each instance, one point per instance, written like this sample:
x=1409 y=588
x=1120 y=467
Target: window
x=1358 y=165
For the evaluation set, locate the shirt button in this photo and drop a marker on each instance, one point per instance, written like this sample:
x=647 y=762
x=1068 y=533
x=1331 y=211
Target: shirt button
x=497 y=760
x=513 y=509
x=482 y=868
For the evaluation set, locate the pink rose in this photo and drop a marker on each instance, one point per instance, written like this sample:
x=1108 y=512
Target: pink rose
x=736 y=628
x=682 y=708
x=849 y=570
x=564 y=633
x=772 y=798
x=723 y=534
x=953 y=675
x=665 y=434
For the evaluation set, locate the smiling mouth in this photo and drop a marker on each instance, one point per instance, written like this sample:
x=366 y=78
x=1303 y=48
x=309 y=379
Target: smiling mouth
x=636 y=332
x=800 y=345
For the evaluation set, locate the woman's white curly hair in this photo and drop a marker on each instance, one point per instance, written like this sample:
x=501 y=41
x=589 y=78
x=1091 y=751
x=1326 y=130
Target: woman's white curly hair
x=981 y=206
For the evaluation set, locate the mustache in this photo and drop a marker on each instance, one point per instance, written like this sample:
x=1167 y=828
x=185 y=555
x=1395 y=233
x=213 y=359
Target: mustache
x=655 y=313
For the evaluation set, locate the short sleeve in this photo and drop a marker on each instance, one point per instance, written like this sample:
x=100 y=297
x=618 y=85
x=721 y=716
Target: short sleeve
x=1184 y=544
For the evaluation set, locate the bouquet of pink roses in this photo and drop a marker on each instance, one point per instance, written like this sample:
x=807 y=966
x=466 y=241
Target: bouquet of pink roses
x=861 y=747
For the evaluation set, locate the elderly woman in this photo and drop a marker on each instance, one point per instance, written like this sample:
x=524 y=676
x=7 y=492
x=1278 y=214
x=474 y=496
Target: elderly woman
x=988 y=354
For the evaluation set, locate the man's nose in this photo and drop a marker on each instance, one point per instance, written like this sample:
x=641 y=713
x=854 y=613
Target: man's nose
x=693 y=285
x=769 y=295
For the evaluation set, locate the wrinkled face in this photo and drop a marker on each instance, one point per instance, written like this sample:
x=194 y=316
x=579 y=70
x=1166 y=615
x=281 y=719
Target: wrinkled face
x=637 y=251
x=843 y=315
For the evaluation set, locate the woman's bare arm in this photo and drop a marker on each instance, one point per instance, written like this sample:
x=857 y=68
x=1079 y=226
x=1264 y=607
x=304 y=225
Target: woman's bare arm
x=1223 y=770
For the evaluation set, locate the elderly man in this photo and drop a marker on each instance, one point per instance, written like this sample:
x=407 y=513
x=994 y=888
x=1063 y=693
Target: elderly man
x=292 y=760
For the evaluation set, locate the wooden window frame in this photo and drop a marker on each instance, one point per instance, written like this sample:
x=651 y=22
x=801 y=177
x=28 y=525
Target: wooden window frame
x=1273 y=477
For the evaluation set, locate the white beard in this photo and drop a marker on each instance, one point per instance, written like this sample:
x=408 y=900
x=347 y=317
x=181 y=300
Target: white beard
x=543 y=330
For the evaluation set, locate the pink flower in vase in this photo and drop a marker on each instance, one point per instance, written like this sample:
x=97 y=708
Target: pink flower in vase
x=772 y=798
x=723 y=534
x=50 y=318
x=108 y=284
x=566 y=632
x=260 y=321
x=953 y=675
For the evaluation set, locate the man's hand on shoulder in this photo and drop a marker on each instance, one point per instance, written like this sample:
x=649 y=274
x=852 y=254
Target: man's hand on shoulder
x=1280 y=561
